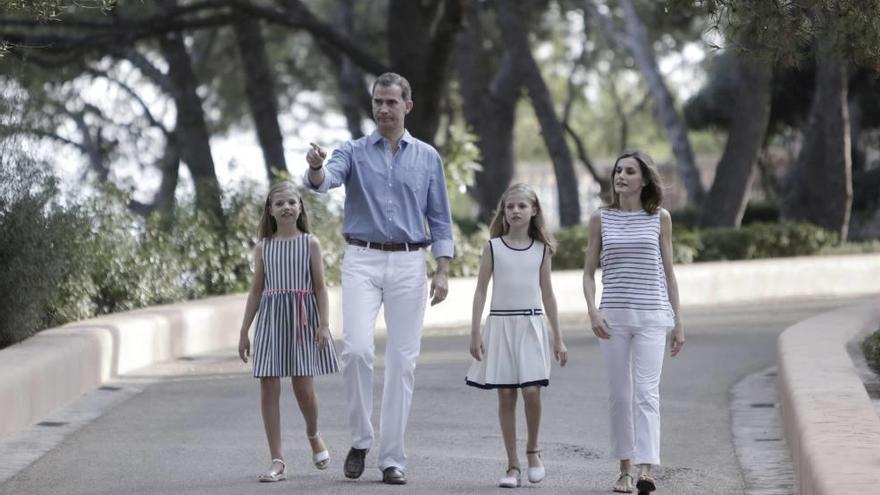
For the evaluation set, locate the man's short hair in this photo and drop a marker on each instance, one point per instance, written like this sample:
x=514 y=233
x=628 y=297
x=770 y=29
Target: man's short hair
x=391 y=79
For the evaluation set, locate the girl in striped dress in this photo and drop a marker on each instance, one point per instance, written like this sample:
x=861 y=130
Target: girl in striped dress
x=632 y=239
x=292 y=336
x=512 y=353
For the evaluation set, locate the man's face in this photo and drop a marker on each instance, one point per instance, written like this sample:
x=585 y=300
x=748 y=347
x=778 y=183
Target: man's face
x=389 y=109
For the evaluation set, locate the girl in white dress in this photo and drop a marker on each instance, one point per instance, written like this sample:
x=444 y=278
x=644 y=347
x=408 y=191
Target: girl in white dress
x=632 y=239
x=513 y=351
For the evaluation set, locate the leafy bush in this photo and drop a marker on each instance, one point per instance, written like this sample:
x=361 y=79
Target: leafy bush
x=326 y=224
x=571 y=248
x=763 y=240
x=686 y=245
x=37 y=236
x=871 y=348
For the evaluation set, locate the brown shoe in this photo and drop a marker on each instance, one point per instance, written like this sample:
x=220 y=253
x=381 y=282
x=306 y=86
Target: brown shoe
x=354 y=463
x=393 y=476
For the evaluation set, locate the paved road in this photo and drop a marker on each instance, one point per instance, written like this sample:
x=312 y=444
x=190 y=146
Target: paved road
x=197 y=429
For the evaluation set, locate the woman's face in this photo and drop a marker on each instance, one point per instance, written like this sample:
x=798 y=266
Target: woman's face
x=627 y=177
x=518 y=209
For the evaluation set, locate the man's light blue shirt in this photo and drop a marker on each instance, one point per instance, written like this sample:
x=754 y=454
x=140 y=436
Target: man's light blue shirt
x=391 y=198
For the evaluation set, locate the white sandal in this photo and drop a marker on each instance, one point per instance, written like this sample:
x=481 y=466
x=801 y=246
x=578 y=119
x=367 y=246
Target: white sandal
x=511 y=481
x=273 y=476
x=321 y=459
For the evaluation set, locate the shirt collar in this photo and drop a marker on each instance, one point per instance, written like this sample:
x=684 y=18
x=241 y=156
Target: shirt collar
x=375 y=137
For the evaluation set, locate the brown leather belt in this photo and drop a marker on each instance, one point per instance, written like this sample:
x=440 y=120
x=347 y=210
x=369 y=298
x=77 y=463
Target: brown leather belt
x=388 y=246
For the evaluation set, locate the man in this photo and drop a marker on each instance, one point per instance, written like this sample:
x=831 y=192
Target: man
x=394 y=184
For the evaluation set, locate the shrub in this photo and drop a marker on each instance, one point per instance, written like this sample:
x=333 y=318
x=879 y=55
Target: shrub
x=686 y=245
x=37 y=236
x=871 y=348
x=763 y=240
x=571 y=248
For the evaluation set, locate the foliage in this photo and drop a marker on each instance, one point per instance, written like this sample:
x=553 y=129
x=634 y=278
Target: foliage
x=782 y=30
x=51 y=10
x=763 y=240
x=468 y=251
x=571 y=247
x=62 y=263
x=460 y=158
x=850 y=247
x=871 y=348
x=325 y=222
x=32 y=264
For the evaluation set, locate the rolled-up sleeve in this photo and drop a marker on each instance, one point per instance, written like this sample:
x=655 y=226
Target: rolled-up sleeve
x=336 y=170
x=438 y=213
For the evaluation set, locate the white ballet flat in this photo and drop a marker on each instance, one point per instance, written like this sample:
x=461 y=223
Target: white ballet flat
x=536 y=474
x=511 y=481
x=273 y=476
x=321 y=459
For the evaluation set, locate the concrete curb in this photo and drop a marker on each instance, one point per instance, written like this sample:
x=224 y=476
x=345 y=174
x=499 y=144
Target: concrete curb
x=830 y=424
x=54 y=367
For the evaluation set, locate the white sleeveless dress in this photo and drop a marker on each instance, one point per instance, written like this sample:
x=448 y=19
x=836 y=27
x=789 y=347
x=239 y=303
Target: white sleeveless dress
x=515 y=339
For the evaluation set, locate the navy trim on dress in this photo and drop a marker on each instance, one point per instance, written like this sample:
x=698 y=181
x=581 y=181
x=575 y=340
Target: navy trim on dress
x=517 y=249
x=490 y=386
x=516 y=312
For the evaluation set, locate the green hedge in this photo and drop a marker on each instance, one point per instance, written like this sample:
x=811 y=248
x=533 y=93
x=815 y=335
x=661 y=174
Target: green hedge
x=871 y=348
x=60 y=263
x=756 y=240
x=763 y=240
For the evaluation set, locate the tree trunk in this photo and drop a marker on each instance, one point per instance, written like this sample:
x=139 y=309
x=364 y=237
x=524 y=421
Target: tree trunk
x=421 y=37
x=163 y=201
x=191 y=129
x=729 y=193
x=260 y=91
x=489 y=109
x=514 y=32
x=351 y=78
x=635 y=41
x=819 y=186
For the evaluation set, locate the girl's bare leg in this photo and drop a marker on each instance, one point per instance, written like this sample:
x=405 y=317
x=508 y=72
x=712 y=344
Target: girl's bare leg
x=532 y=400
x=270 y=392
x=507 y=419
x=304 y=391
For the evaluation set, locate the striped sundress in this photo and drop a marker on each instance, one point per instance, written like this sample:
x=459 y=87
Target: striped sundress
x=633 y=279
x=287 y=322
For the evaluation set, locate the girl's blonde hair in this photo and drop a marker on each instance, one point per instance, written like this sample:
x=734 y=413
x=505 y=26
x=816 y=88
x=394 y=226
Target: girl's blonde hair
x=537 y=226
x=652 y=193
x=268 y=226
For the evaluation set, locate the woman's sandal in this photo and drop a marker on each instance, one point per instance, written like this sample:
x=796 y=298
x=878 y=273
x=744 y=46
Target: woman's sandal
x=273 y=476
x=645 y=484
x=536 y=474
x=627 y=486
x=509 y=481
x=320 y=459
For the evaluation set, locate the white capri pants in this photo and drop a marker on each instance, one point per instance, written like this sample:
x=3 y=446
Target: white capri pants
x=398 y=280
x=633 y=362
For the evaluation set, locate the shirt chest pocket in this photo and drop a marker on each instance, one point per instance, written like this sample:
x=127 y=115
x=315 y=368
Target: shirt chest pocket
x=414 y=177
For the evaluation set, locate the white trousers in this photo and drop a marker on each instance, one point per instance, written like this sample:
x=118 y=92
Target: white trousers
x=633 y=362
x=371 y=278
